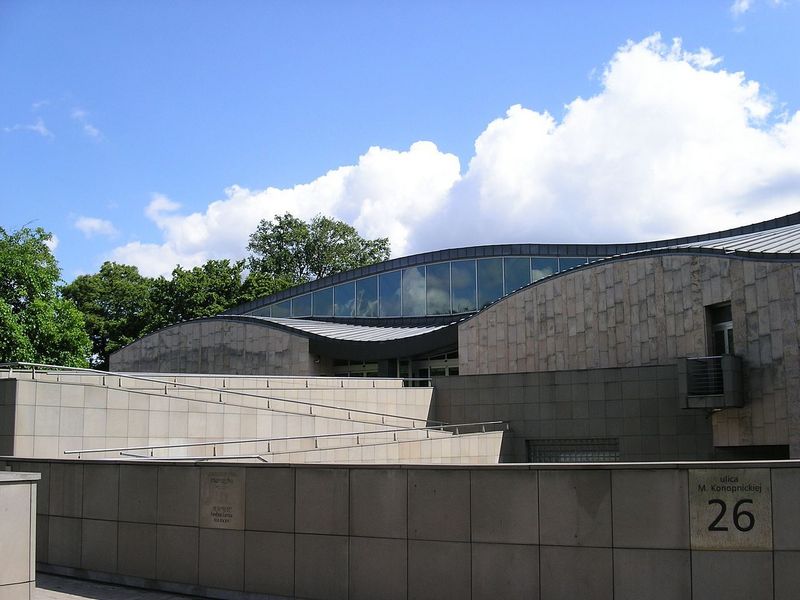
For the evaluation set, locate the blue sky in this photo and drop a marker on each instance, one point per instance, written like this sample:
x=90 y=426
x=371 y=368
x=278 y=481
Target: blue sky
x=161 y=132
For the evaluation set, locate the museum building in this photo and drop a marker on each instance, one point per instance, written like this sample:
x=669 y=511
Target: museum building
x=675 y=349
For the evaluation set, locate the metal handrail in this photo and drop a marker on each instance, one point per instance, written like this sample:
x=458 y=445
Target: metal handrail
x=175 y=384
x=269 y=453
x=195 y=458
x=458 y=426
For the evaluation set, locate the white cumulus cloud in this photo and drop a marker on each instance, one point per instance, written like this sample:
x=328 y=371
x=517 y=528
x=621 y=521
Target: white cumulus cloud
x=386 y=194
x=671 y=144
x=91 y=226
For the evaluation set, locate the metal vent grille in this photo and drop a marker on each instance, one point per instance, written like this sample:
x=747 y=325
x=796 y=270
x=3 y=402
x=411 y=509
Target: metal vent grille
x=573 y=450
x=704 y=376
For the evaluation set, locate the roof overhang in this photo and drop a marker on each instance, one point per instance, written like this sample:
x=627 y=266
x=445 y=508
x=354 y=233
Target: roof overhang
x=360 y=342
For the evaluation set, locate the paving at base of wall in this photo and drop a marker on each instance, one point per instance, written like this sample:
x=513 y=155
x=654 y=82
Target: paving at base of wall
x=54 y=587
x=655 y=531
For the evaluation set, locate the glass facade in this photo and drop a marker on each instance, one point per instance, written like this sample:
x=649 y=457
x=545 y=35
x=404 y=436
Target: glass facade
x=437 y=289
x=543 y=267
x=323 y=303
x=516 y=273
x=465 y=285
x=390 y=294
x=282 y=309
x=344 y=300
x=490 y=281
x=569 y=262
x=367 y=297
x=444 y=288
x=414 y=292
x=301 y=306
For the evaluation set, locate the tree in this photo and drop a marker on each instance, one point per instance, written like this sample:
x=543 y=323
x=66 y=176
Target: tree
x=37 y=324
x=115 y=304
x=289 y=248
x=204 y=291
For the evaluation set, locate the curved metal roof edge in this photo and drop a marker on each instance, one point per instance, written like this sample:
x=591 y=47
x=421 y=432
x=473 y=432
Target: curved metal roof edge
x=285 y=326
x=268 y=322
x=599 y=251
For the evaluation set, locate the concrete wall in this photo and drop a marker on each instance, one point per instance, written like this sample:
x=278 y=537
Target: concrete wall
x=56 y=412
x=207 y=346
x=524 y=531
x=650 y=311
x=637 y=406
x=17 y=535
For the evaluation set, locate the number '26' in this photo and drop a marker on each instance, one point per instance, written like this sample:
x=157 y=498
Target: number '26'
x=743 y=520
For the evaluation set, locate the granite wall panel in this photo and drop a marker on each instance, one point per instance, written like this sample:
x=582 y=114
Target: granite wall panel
x=651 y=311
x=561 y=531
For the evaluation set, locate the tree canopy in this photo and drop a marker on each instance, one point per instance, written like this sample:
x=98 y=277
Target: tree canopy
x=37 y=324
x=115 y=303
x=120 y=305
x=291 y=249
x=205 y=291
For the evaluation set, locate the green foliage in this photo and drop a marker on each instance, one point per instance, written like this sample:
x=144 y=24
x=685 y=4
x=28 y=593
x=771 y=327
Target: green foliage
x=289 y=248
x=115 y=303
x=120 y=305
x=192 y=293
x=36 y=323
x=258 y=285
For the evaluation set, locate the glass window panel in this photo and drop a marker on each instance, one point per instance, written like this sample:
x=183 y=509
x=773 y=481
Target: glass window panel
x=490 y=280
x=389 y=288
x=517 y=273
x=543 y=267
x=462 y=274
x=367 y=297
x=437 y=290
x=282 y=309
x=569 y=262
x=344 y=297
x=301 y=306
x=414 y=292
x=323 y=303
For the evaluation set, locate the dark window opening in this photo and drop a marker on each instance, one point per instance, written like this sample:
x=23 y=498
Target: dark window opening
x=720 y=319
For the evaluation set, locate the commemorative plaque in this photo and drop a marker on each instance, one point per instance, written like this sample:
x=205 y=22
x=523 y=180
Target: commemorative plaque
x=221 y=498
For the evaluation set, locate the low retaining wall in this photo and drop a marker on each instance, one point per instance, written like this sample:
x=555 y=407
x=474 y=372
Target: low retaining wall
x=17 y=535
x=636 y=531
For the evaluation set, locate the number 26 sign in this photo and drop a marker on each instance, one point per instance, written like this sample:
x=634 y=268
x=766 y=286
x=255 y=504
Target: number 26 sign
x=730 y=509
